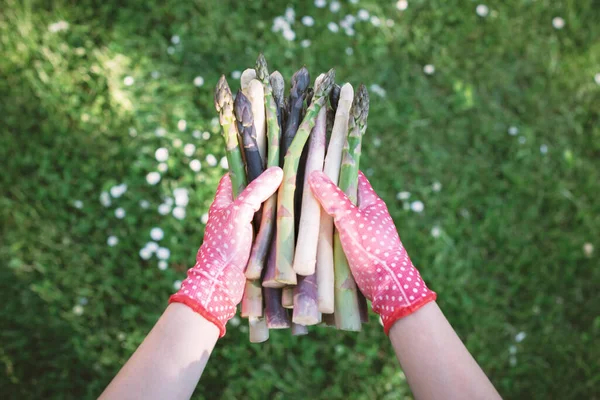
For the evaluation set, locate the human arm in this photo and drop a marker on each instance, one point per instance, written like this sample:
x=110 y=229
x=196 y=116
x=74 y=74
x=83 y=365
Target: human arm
x=433 y=358
x=171 y=359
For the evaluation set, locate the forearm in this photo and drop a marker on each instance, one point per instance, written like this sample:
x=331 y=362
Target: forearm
x=169 y=361
x=435 y=361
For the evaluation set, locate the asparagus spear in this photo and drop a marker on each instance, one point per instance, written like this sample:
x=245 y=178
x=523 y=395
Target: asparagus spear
x=246 y=78
x=277 y=316
x=299 y=330
x=347 y=315
x=285 y=238
x=224 y=106
x=278 y=86
x=258 y=256
x=259 y=332
x=300 y=82
x=256 y=95
x=287 y=297
x=252 y=300
x=306 y=310
x=334 y=97
x=305 y=256
x=268 y=279
x=325 y=274
x=245 y=125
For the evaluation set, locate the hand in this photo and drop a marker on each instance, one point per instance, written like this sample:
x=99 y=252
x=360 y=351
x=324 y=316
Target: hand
x=378 y=261
x=215 y=284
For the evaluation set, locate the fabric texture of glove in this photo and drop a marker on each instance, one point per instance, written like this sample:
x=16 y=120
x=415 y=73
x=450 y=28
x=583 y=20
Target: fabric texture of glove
x=215 y=284
x=378 y=261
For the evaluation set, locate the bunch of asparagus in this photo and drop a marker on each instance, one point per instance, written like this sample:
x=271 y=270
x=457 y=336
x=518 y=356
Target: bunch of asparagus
x=297 y=262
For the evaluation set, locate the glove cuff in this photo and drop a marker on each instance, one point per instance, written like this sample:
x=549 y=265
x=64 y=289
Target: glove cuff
x=198 y=308
x=390 y=320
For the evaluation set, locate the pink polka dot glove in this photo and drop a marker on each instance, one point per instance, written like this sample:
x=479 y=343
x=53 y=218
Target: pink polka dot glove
x=215 y=284
x=378 y=261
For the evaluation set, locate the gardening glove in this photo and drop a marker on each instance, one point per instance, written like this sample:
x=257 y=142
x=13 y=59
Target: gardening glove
x=215 y=284
x=378 y=261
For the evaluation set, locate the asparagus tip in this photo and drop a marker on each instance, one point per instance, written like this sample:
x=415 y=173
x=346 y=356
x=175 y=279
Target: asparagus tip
x=360 y=106
x=262 y=70
x=334 y=96
x=278 y=85
x=243 y=109
x=223 y=94
x=301 y=79
x=325 y=84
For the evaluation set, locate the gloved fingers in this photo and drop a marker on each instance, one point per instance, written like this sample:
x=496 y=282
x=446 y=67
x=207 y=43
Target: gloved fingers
x=224 y=195
x=332 y=199
x=366 y=195
x=258 y=191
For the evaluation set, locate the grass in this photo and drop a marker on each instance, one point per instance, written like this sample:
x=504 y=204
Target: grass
x=512 y=221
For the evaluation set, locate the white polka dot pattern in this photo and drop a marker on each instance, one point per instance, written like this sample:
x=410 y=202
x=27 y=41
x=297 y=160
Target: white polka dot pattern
x=379 y=263
x=215 y=284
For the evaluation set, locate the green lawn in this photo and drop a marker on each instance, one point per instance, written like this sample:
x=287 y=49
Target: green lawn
x=501 y=143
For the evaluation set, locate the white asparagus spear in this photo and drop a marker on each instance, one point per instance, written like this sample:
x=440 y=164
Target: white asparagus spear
x=333 y=160
x=259 y=332
x=246 y=77
x=256 y=94
x=305 y=256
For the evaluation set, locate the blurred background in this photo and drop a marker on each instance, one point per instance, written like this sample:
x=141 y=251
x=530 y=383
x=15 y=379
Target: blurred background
x=483 y=139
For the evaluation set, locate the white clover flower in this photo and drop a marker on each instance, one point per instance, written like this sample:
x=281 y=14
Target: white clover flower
x=290 y=14
x=512 y=349
x=163 y=167
x=164 y=209
x=163 y=253
x=195 y=165
x=151 y=246
x=378 y=90
x=189 y=149
x=157 y=233
x=436 y=186
x=307 y=20
x=163 y=265
x=204 y=218
x=280 y=24
x=402 y=5
x=155 y=74
x=161 y=154
x=211 y=160
x=363 y=14
x=429 y=69
x=519 y=337
x=417 y=206
x=349 y=51
x=120 y=213
x=160 y=132
x=513 y=131
x=121 y=336
x=376 y=141
x=105 y=199
x=144 y=204
x=196 y=134
x=588 y=249
x=597 y=78
x=58 y=26
x=235 y=321
x=543 y=149
x=349 y=31
x=223 y=163
x=171 y=50
x=145 y=254
x=78 y=204
x=335 y=6
x=175 y=39
x=179 y=213
x=206 y=135
x=522 y=139
x=305 y=43
x=436 y=231
x=320 y=3
x=333 y=27
x=118 y=190
x=236 y=74
x=181 y=197
x=153 y=178
x=375 y=20
x=177 y=285
x=132 y=132
x=168 y=201
x=128 y=81
x=78 y=309
x=112 y=241
x=289 y=35
x=558 y=23
x=403 y=195
x=482 y=10
x=198 y=81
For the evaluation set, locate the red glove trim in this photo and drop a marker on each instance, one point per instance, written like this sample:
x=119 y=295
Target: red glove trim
x=197 y=307
x=403 y=312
